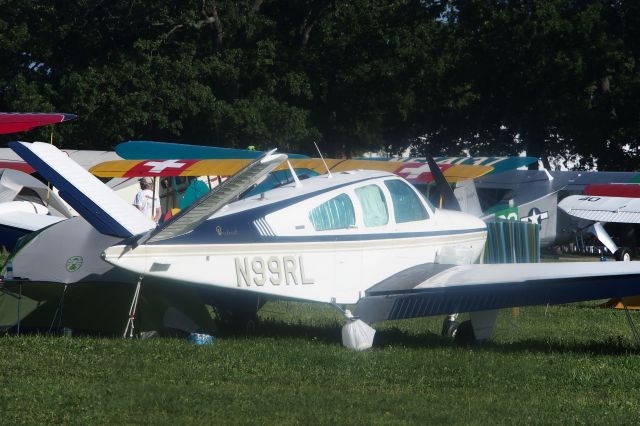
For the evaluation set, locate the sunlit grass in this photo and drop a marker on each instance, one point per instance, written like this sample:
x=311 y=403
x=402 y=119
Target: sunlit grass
x=567 y=364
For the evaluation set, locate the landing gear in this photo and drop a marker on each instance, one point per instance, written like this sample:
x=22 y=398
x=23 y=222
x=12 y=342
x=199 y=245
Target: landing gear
x=450 y=326
x=461 y=332
x=623 y=254
x=477 y=329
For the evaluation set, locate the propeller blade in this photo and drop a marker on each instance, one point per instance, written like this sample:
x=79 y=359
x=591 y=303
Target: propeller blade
x=449 y=200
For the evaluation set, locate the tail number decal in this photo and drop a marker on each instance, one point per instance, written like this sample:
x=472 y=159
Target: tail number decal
x=275 y=270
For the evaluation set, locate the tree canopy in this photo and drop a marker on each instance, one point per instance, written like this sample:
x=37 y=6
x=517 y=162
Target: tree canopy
x=552 y=77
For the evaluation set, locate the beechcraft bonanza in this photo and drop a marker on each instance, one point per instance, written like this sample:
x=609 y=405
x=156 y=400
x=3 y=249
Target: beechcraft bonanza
x=361 y=238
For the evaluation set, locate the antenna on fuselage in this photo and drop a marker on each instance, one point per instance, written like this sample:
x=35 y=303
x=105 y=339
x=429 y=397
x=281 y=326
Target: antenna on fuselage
x=324 y=162
x=295 y=176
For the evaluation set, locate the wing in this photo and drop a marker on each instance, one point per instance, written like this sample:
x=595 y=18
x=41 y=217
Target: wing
x=602 y=209
x=416 y=172
x=139 y=150
x=153 y=168
x=499 y=164
x=443 y=289
x=214 y=200
x=21 y=122
x=17 y=165
x=631 y=190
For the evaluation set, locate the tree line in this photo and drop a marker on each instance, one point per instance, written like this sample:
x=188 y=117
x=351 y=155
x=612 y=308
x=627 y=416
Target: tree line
x=552 y=77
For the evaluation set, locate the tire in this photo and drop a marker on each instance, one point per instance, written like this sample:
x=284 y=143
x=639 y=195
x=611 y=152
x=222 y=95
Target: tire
x=623 y=254
x=464 y=334
x=449 y=328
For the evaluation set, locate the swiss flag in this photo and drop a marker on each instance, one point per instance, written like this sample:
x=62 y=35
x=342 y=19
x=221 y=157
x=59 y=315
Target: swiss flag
x=418 y=172
x=160 y=168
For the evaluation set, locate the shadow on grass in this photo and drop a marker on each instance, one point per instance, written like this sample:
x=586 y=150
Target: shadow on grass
x=331 y=333
x=278 y=329
x=395 y=337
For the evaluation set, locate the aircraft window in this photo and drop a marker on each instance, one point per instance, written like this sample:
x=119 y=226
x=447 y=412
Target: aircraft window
x=337 y=213
x=406 y=204
x=374 y=206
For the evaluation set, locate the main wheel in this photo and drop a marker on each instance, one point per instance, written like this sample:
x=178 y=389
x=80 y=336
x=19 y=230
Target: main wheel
x=449 y=327
x=623 y=254
x=465 y=334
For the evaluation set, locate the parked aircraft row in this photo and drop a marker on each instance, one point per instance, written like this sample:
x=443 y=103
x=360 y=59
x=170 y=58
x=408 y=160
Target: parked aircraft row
x=362 y=238
x=345 y=237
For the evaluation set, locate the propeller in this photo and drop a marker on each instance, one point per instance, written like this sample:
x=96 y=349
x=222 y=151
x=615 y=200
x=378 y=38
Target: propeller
x=449 y=200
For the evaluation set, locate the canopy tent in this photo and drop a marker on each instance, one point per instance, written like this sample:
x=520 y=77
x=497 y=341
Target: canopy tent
x=74 y=288
x=19 y=186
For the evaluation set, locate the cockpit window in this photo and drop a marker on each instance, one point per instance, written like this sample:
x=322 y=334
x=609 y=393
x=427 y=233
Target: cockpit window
x=374 y=206
x=406 y=204
x=337 y=213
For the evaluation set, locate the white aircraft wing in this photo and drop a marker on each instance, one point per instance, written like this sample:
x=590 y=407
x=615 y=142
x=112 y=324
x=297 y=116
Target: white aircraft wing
x=217 y=198
x=432 y=289
x=95 y=202
x=602 y=209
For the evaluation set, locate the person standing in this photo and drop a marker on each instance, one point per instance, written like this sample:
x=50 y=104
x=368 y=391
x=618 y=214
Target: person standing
x=147 y=201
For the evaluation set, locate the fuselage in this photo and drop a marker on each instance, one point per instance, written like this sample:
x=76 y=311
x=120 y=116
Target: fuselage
x=328 y=240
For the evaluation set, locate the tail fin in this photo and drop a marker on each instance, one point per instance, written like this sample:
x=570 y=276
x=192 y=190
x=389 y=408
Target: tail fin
x=95 y=202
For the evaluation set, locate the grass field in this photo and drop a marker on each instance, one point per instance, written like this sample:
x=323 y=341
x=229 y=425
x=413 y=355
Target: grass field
x=566 y=364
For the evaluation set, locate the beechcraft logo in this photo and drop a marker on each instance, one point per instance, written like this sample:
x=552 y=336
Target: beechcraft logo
x=535 y=216
x=74 y=263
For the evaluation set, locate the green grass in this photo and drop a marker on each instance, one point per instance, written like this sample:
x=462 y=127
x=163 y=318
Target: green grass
x=566 y=364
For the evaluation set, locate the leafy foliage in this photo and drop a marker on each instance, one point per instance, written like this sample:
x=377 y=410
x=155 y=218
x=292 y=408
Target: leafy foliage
x=496 y=77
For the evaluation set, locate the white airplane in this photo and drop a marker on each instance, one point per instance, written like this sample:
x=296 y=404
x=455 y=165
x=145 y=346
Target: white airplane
x=358 y=238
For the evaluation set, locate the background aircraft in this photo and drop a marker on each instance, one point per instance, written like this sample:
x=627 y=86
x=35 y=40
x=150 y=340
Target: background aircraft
x=16 y=122
x=26 y=204
x=533 y=196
